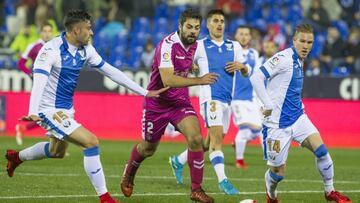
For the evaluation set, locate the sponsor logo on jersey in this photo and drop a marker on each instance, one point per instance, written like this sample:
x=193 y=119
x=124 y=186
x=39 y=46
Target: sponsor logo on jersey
x=166 y=57
x=274 y=61
x=43 y=56
x=179 y=57
x=229 y=46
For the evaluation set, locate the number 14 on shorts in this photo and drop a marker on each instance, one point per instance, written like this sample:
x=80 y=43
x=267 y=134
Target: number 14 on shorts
x=273 y=145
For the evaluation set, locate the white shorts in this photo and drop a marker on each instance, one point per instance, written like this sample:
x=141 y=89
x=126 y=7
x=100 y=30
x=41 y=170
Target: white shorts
x=246 y=112
x=59 y=123
x=216 y=113
x=277 y=141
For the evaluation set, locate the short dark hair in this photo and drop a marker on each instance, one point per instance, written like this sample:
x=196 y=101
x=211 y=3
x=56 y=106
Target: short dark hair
x=215 y=12
x=304 y=28
x=75 y=16
x=44 y=24
x=189 y=13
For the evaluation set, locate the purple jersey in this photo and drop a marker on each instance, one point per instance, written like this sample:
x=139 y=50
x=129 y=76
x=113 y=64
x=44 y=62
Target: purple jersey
x=170 y=52
x=32 y=50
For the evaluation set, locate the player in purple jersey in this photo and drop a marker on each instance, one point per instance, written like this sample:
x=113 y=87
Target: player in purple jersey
x=31 y=52
x=172 y=63
x=56 y=71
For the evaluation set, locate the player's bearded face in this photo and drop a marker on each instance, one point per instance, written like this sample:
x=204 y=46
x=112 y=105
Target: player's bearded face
x=303 y=43
x=189 y=31
x=85 y=33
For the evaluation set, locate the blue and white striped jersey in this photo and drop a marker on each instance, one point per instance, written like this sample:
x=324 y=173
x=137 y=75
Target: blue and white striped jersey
x=62 y=63
x=243 y=89
x=285 y=75
x=212 y=56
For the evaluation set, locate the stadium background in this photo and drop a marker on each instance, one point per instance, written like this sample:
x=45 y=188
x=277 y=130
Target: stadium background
x=126 y=32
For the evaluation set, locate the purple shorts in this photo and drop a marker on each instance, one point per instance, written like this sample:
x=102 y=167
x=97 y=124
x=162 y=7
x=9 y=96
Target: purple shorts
x=154 y=123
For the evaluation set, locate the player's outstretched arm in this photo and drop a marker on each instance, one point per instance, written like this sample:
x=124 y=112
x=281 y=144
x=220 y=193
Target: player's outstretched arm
x=257 y=81
x=170 y=79
x=120 y=78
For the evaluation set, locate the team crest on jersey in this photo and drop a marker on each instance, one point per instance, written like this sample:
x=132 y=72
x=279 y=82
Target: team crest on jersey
x=43 y=56
x=166 y=57
x=229 y=46
x=274 y=61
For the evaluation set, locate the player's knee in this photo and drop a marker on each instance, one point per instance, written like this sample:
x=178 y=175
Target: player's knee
x=195 y=141
x=278 y=170
x=321 y=151
x=92 y=142
x=146 y=150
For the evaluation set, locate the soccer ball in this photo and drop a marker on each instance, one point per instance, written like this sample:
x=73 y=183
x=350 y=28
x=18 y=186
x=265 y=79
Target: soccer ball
x=248 y=201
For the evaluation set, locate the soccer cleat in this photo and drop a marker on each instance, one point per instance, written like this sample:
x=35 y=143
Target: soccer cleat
x=177 y=169
x=20 y=129
x=199 y=195
x=13 y=161
x=337 y=197
x=106 y=198
x=127 y=184
x=240 y=163
x=226 y=187
x=269 y=200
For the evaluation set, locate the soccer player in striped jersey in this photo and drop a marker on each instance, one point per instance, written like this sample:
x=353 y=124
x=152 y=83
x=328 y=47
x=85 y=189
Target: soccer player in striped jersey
x=285 y=119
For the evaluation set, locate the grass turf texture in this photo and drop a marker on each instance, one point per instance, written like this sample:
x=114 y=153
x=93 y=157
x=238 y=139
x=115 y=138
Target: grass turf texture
x=65 y=180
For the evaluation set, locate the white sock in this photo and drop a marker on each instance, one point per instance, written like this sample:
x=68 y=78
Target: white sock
x=240 y=142
x=38 y=151
x=271 y=181
x=326 y=168
x=183 y=157
x=217 y=160
x=94 y=170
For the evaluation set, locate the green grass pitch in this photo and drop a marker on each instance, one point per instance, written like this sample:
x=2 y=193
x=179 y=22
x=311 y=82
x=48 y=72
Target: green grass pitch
x=64 y=180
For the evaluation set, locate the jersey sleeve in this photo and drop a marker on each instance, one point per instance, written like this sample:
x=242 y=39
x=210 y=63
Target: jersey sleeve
x=45 y=60
x=25 y=54
x=273 y=66
x=165 y=54
x=93 y=57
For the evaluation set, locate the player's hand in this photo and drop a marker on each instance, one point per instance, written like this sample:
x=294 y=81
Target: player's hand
x=231 y=67
x=156 y=93
x=195 y=69
x=209 y=78
x=31 y=118
x=266 y=112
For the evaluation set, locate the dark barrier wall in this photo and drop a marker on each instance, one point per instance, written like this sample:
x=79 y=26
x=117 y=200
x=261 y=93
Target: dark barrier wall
x=92 y=81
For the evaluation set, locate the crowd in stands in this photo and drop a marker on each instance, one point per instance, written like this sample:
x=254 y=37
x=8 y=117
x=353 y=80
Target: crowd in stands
x=127 y=31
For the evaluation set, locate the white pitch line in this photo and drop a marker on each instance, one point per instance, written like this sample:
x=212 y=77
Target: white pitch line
x=171 y=177
x=166 y=194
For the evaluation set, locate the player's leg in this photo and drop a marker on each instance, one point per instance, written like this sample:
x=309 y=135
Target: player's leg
x=189 y=126
x=248 y=118
x=20 y=130
x=153 y=127
x=54 y=149
x=92 y=164
x=138 y=154
x=277 y=144
x=310 y=138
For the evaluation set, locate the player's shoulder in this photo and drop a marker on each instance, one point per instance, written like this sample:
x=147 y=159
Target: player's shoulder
x=53 y=45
